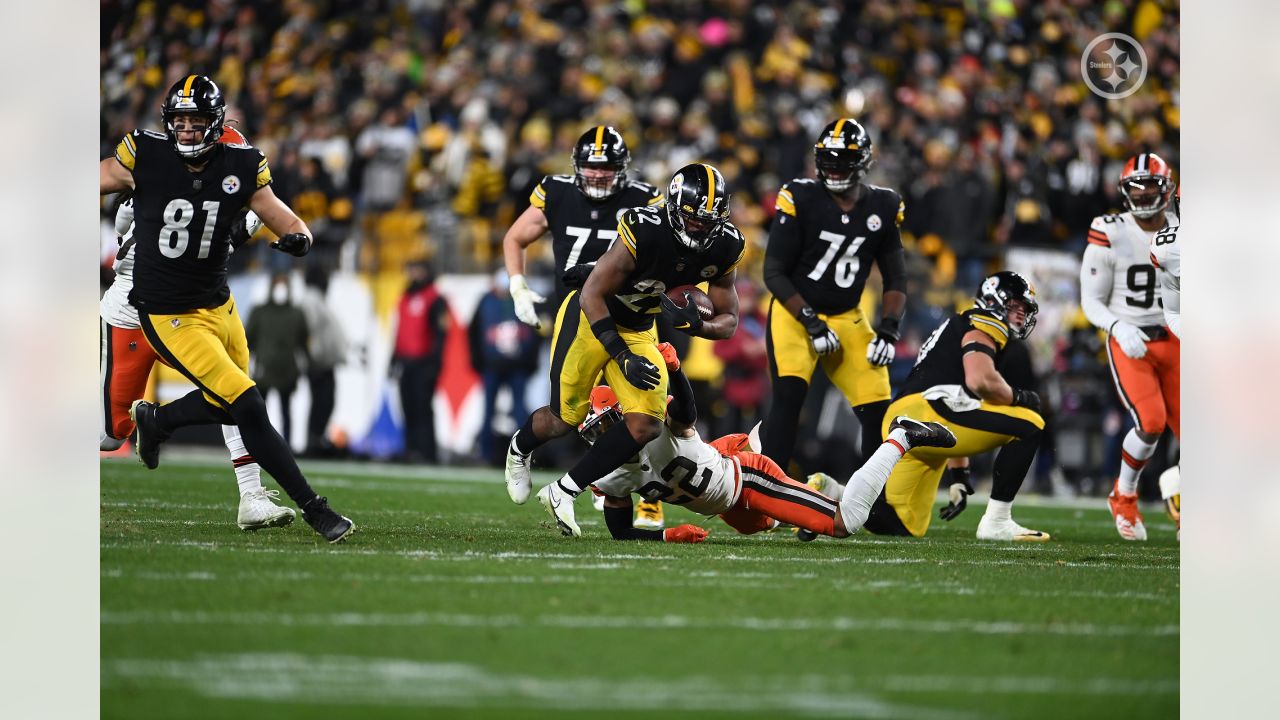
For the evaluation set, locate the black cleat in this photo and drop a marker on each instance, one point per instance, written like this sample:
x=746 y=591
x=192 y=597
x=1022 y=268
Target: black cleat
x=150 y=435
x=806 y=535
x=334 y=527
x=924 y=434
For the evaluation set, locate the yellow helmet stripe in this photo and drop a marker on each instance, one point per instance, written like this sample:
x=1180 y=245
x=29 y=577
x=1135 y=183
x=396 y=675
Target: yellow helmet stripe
x=186 y=89
x=711 y=188
x=599 y=138
x=839 y=127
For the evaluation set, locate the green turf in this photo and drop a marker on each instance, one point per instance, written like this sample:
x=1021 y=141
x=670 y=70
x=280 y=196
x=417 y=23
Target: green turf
x=450 y=602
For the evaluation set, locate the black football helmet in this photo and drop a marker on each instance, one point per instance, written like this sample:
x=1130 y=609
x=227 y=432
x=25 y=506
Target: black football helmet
x=194 y=95
x=601 y=147
x=842 y=155
x=1001 y=289
x=697 y=205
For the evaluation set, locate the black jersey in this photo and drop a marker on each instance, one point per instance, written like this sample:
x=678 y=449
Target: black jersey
x=941 y=361
x=826 y=253
x=663 y=263
x=582 y=228
x=183 y=220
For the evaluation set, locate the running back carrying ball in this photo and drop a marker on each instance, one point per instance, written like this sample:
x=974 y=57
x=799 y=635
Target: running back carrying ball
x=685 y=294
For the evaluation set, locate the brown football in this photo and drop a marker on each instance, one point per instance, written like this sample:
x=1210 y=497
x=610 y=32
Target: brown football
x=699 y=298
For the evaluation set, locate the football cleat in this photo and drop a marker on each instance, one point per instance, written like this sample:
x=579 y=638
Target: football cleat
x=332 y=526
x=150 y=436
x=560 y=505
x=648 y=516
x=519 y=478
x=924 y=434
x=1008 y=531
x=1124 y=508
x=257 y=511
x=1170 y=492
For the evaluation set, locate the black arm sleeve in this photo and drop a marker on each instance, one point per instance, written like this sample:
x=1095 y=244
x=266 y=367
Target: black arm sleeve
x=620 y=527
x=682 y=409
x=892 y=261
x=780 y=256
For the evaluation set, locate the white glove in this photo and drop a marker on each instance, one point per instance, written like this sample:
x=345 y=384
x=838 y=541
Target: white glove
x=252 y=223
x=880 y=352
x=525 y=299
x=1130 y=339
x=124 y=217
x=825 y=343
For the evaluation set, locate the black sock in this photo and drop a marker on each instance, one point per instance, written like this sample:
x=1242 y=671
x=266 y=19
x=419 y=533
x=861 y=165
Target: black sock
x=960 y=475
x=871 y=416
x=778 y=432
x=190 y=409
x=526 y=441
x=1011 y=466
x=614 y=448
x=267 y=447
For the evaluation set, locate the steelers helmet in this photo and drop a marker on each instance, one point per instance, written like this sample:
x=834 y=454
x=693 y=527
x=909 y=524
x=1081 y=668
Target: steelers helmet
x=602 y=148
x=1148 y=174
x=697 y=205
x=1000 y=291
x=842 y=154
x=194 y=95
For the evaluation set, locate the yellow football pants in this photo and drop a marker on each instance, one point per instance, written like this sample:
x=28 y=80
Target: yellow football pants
x=208 y=346
x=792 y=354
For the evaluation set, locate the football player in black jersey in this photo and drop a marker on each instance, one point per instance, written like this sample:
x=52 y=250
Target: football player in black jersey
x=188 y=193
x=689 y=241
x=581 y=211
x=826 y=236
x=956 y=382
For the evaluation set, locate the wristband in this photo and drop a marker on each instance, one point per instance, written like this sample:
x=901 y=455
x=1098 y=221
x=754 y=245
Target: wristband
x=890 y=327
x=606 y=331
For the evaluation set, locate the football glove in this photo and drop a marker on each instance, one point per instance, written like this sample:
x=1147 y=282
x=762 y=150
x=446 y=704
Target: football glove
x=824 y=339
x=576 y=276
x=1130 y=338
x=669 y=356
x=880 y=351
x=638 y=370
x=525 y=299
x=960 y=489
x=684 y=534
x=1026 y=399
x=296 y=244
x=687 y=319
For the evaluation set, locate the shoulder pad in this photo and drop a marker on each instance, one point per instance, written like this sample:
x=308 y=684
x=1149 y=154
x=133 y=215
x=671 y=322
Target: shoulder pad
x=988 y=323
x=646 y=187
x=561 y=178
x=1099 y=229
x=152 y=133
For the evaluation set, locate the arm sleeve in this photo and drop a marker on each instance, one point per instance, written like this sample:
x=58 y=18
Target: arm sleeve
x=1096 y=273
x=1171 y=296
x=620 y=525
x=892 y=261
x=783 y=250
x=682 y=409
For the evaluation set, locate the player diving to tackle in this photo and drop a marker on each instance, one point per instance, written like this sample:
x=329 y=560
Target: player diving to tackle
x=189 y=190
x=956 y=382
x=688 y=241
x=747 y=490
x=127 y=359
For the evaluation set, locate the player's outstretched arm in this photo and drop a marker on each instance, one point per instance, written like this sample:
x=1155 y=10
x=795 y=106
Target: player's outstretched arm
x=113 y=177
x=295 y=236
x=724 y=299
x=527 y=228
x=618 y=516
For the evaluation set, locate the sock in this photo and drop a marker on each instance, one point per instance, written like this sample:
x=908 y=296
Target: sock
x=190 y=409
x=268 y=448
x=1134 y=454
x=871 y=417
x=248 y=474
x=778 y=431
x=898 y=438
x=1011 y=467
x=568 y=486
x=868 y=481
x=525 y=441
x=999 y=510
x=608 y=453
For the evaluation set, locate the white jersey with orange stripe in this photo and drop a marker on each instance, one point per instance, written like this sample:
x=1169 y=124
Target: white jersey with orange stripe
x=1166 y=255
x=682 y=471
x=1117 y=279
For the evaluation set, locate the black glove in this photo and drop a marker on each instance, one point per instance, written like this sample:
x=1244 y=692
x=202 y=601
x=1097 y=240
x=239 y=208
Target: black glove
x=825 y=340
x=296 y=244
x=638 y=370
x=960 y=489
x=576 y=276
x=239 y=232
x=687 y=319
x=1027 y=399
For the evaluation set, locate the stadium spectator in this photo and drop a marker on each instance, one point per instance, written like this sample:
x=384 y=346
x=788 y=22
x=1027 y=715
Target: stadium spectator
x=422 y=319
x=327 y=348
x=504 y=351
x=277 y=335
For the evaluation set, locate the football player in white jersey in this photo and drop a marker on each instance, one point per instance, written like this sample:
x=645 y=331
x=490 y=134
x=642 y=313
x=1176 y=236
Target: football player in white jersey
x=1167 y=257
x=746 y=489
x=1119 y=293
x=126 y=361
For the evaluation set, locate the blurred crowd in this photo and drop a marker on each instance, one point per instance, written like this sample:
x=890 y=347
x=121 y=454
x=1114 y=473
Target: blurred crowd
x=406 y=129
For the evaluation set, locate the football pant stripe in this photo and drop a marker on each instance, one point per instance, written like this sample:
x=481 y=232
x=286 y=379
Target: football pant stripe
x=1124 y=397
x=987 y=421
x=104 y=366
x=570 y=316
x=766 y=484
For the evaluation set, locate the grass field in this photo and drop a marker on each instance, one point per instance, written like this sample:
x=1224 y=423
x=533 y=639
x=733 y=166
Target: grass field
x=450 y=602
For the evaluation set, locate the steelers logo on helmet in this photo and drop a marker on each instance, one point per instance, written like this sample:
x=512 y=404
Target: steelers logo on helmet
x=1147 y=185
x=600 y=160
x=1007 y=294
x=842 y=155
x=193 y=106
x=697 y=205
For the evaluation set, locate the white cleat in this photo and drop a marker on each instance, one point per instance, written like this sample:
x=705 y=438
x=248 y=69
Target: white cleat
x=560 y=505
x=1008 y=531
x=258 y=511
x=519 y=478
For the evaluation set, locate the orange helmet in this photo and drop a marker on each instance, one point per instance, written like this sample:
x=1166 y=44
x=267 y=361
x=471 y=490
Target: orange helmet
x=232 y=136
x=604 y=412
x=1149 y=175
